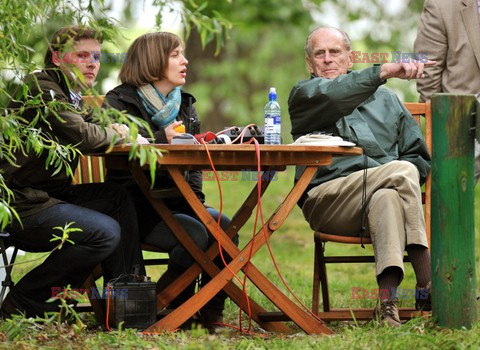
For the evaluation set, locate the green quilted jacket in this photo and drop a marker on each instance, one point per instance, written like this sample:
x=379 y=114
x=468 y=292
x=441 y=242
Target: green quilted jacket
x=356 y=107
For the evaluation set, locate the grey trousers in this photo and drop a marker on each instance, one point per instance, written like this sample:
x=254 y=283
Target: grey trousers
x=394 y=210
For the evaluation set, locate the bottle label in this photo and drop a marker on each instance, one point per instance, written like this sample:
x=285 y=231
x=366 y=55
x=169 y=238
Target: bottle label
x=272 y=124
x=277 y=129
x=269 y=127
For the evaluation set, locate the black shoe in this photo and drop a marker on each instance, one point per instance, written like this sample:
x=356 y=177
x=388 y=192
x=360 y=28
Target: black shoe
x=9 y=307
x=166 y=279
x=186 y=326
x=423 y=297
x=212 y=320
x=172 y=273
x=169 y=276
x=189 y=324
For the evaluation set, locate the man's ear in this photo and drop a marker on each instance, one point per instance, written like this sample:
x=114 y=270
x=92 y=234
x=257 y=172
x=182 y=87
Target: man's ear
x=350 y=59
x=56 y=58
x=309 y=64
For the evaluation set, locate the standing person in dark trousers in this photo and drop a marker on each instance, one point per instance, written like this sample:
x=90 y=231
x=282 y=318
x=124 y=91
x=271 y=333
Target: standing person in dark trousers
x=103 y=214
x=151 y=78
x=387 y=178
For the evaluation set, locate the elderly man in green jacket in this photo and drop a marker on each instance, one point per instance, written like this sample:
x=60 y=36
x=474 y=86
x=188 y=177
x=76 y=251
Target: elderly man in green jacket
x=356 y=107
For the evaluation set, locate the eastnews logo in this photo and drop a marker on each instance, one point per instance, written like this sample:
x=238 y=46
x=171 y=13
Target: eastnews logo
x=96 y=57
x=79 y=294
x=399 y=293
x=384 y=57
x=243 y=175
x=358 y=57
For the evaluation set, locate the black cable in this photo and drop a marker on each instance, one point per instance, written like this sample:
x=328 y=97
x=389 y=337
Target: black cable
x=364 y=199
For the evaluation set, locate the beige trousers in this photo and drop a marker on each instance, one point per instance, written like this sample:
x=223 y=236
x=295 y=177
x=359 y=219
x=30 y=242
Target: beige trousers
x=393 y=207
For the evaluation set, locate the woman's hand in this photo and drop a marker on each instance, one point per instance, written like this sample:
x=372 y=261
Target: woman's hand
x=142 y=140
x=121 y=129
x=170 y=132
x=124 y=133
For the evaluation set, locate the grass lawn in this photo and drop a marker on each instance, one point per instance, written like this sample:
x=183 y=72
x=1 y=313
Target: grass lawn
x=292 y=248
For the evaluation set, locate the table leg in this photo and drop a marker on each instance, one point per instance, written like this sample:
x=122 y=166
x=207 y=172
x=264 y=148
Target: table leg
x=204 y=260
x=237 y=222
x=306 y=321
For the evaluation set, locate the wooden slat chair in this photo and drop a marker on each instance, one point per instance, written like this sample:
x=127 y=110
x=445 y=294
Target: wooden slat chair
x=418 y=110
x=90 y=169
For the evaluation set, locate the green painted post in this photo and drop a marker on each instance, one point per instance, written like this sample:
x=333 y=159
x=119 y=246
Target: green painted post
x=453 y=235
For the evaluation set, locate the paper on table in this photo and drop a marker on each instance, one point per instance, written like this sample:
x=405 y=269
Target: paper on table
x=322 y=140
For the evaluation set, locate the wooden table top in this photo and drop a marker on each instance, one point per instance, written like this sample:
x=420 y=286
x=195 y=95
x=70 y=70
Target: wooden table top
x=239 y=155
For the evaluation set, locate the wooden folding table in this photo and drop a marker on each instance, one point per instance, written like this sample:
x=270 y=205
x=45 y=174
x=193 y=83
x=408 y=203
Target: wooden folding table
x=179 y=158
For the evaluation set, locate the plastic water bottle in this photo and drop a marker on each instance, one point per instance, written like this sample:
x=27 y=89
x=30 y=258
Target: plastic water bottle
x=273 y=126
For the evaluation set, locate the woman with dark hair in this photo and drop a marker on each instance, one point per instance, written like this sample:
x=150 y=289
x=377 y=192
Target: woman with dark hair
x=151 y=77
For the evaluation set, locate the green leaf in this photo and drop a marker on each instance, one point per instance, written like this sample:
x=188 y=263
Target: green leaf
x=142 y=156
x=152 y=155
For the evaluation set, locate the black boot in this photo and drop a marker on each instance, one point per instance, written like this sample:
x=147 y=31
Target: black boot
x=211 y=315
x=173 y=272
x=165 y=280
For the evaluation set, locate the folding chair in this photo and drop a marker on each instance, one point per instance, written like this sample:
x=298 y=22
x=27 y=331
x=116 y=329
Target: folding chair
x=7 y=263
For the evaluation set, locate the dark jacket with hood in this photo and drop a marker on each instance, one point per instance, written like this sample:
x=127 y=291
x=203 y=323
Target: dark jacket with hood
x=125 y=98
x=35 y=185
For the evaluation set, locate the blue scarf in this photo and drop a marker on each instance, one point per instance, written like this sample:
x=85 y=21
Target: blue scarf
x=163 y=110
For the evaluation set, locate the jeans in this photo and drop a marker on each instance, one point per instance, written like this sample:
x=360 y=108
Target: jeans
x=109 y=235
x=161 y=236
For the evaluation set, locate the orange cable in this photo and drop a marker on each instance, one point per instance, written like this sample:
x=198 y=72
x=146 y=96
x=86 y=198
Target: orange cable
x=225 y=130
x=242 y=133
x=259 y=196
x=220 y=211
x=274 y=260
x=244 y=291
x=259 y=211
x=243 y=331
x=278 y=269
x=108 y=308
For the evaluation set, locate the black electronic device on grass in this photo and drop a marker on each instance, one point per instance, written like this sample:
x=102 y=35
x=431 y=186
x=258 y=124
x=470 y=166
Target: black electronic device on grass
x=132 y=302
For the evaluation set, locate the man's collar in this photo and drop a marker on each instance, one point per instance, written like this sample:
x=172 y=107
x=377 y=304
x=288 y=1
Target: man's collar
x=314 y=76
x=76 y=98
